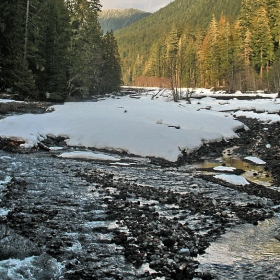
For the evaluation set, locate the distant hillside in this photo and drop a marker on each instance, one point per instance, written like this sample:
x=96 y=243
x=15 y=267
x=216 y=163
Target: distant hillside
x=135 y=42
x=118 y=19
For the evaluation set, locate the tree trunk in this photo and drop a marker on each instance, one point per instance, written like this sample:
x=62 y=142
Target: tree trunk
x=26 y=30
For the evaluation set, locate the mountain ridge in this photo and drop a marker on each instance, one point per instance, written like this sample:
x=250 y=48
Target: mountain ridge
x=115 y=19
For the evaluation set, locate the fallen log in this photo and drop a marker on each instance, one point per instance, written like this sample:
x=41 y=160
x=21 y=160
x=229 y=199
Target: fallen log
x=43 y=146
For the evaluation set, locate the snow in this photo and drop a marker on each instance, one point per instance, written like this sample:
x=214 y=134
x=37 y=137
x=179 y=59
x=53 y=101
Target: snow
x=88 y=155
x=146 y=127
x=224 y=168
x=255 y=160
x=122 y=164
x=232 y=179
x=6 y=100
x=265 y=117
x=56 y=148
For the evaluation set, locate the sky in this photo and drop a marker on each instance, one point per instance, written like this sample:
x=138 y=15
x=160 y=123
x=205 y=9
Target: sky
x=144 y=5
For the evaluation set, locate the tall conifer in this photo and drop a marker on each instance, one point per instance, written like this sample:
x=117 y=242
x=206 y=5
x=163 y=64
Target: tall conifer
x=262 y=42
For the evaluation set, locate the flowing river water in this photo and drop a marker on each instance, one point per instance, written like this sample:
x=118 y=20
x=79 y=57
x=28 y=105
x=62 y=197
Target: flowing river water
x=243 y=252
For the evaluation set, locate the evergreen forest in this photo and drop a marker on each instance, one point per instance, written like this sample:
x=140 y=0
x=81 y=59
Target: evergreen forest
x=56 y=49
x=223 y=44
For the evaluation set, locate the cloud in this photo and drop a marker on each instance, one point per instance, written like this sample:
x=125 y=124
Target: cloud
x=144 y=5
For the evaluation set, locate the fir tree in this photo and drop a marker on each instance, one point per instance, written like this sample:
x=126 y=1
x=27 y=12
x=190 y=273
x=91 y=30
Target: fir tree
x=172 y=50
x=209 y=55
x=262 y=43
x=190 y=73
x=15 y=73
x=110 y=76
x=57 y=42
x=225 y=52
x=273 y=8
x=86 y=48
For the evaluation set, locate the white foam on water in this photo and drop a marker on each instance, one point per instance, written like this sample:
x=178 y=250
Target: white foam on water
x=31 y=268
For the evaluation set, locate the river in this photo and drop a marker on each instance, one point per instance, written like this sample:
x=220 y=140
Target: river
x=57 y=221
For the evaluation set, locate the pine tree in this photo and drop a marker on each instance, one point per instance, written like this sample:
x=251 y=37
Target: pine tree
x=137 y=67
x=153 y=66
x=274 y=18
x=172 y=50
x=274 y=73
x=241 y=57
x=86 y=48
x=110 y=78
x=15 y=73
x=57 y=42
x=225 y=52
x=55 y=47
x=209 y=61
x=190 y=73
x=46 y=46
x=35 y=45
x=249 y=82
x=262 y=42
x=273 y=8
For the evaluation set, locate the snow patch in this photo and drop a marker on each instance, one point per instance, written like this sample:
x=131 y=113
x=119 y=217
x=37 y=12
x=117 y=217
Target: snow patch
x=233 y=179
x=122 y=163
x=88 y=155
x=56 y=148
x=265 y=117
x=255 y=160
x=224 y=168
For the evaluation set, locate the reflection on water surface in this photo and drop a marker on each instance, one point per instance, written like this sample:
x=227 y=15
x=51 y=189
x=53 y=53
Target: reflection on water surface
x=252 y=172
x=245 y=252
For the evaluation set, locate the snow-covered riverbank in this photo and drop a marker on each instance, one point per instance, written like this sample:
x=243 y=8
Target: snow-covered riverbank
x=79 y=212
x=145 y=126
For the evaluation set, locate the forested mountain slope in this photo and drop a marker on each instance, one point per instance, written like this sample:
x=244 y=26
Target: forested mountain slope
x=115 y=19
x=137 y=39
x=229 y=44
